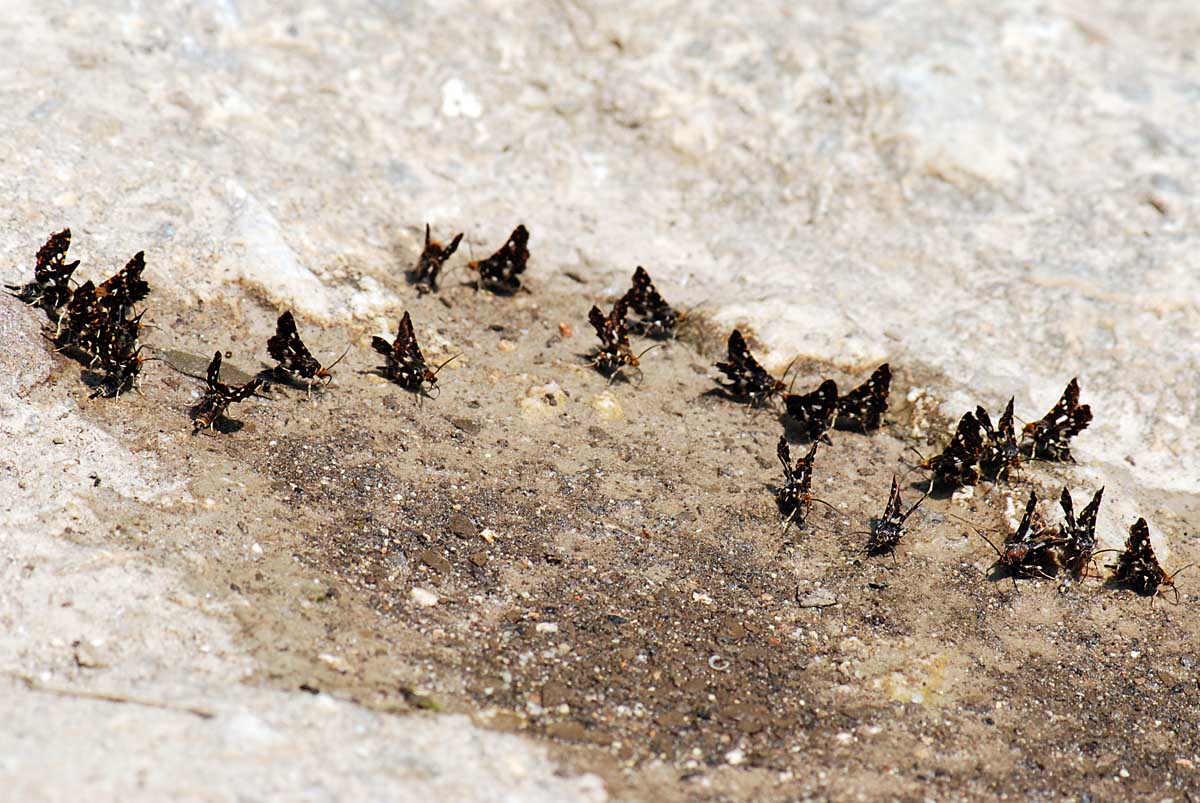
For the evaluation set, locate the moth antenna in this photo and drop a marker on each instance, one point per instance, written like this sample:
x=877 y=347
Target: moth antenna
x=1171 y=577
x=447 y=362
x=789 y=367
x=692 y=308
x=826 y=504
x=339 y=359
x=649 y=348
x=978 y=532
x=913 y=509
x=447 y=271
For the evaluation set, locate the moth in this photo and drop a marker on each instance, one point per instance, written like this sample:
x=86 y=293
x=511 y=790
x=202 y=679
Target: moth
x=429 y=265
x=614 y=352
x=863 y=408
x=405 y=363
x=287 y=349
x=795 y=497
x=50 y=288
x=85 y=321
x=501 y=272
x=120 y=376
x=745 y=379
x=219 y=396
x=1049 y=437
x=1079 y=535
x=955 y=466
x=814 y=411
x=126 y=287
x=1000 y=454
x=886 y=531
x=1029 y=550
x=117 y=340
x=1138 y=567
x=655 y=317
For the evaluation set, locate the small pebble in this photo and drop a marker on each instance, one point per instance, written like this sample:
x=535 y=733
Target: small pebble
x=735 y=757
x=565 y=329
x=335 y=662
x=607 y=407
x=821 y=598
x=547 y=627
x=423 y=597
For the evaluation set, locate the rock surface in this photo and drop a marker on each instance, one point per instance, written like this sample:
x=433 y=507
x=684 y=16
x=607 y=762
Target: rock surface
x=996 y=195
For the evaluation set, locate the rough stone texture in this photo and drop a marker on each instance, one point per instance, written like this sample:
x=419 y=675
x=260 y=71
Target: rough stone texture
x=998 y=193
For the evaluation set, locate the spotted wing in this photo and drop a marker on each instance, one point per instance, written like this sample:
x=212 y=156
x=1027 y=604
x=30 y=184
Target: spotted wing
x=52 y=267
x=1138 y=565
x=893 y=513
x=213 y=377
x=657 y=317
x=289 y=350
x=814 y=411
x=408 y=352
x=804 y=470
x=1087 y=519
x=1050 y=436
x=503 y=268
x=600 y=323
x=785 y=457
x=1030 y=525
x=866 y=404
x=236 y=393
x=126 y=287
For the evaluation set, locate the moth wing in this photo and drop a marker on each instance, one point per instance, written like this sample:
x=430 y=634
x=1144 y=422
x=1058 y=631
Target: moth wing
x=214 y=372
x=894 y=510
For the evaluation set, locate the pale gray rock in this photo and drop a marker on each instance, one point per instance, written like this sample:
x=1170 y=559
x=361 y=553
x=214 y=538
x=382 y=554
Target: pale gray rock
x=1000 y=194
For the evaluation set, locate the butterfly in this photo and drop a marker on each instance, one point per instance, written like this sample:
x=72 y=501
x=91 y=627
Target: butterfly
x=814 y=411
x=1048 y=438
x=405 y=362
x=1079 y=534
x=50 y=288
x=1000 y=453
x=887 y=531
x=866 y=404
x=795 y=498
x=219 y=396
x=1029 y=550
x=955 y=466
x=286 y=348
x=430 y=263
x=745 y=379
x=614 y=352
x=126 y=287
x=501 y=272
x=656 y=318
x=1138 y=567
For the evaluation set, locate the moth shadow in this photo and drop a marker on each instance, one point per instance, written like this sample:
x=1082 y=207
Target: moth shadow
x=617 y=375
x=936 y=491
x=274 y=378
x=92 y=378
x=496 y=289
x=223 y=424
x=417 y=393
x=722 y=393
x=797 y=434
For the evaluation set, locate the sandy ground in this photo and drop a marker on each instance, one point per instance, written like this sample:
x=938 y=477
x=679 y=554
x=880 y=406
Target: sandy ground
x=538 y=585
